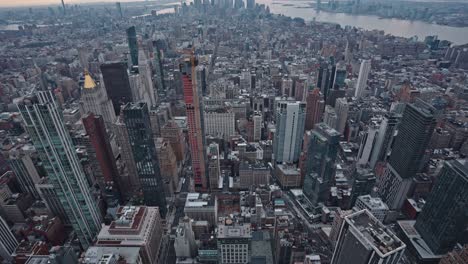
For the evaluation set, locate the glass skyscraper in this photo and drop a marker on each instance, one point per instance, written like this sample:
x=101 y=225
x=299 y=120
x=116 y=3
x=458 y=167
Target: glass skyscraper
x=44 y=123
x=137 y=121
x=443 y=220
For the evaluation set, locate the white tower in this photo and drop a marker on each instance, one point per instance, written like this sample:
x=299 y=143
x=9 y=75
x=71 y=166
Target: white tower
x=362 y=79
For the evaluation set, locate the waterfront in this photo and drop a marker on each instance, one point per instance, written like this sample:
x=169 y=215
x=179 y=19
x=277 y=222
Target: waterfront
x=397 y=27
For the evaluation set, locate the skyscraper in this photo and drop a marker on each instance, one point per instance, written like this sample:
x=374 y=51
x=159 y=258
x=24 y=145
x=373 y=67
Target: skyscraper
x=94 y=99
x=137 y=121
x=363 y=239
x=414 y=134
x=385 y=138
x=144 y=70
x=362 y=78
x=341 y=109
x=44 y=123
x=132 y=44
x=442 y=222
x=315 y=107
x=107 y=175
x=320 y=167
x=290 y=122
x=195 y=122
x=20 y=159
x=8 y=242
x=159 y=73
x=117 y=85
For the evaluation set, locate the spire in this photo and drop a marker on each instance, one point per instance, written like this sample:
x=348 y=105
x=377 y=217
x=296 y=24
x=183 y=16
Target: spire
x=88 y=81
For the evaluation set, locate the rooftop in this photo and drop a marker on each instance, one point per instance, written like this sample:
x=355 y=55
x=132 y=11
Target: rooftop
x=373 y=203
x=199 y=200
x=372 y=232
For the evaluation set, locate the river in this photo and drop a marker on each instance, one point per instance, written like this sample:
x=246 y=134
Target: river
x=397 y=27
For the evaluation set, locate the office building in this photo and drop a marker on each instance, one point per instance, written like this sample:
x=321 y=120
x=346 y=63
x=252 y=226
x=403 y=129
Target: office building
x=364 y=239
x=129 y=181
x=44 y=123
x=257 y=120
x=137 y=121
x=195 y=123
x=374 y=205
x=290 y=123
x=167 y=165
x=361 y=84
x=368 y=143
x=147 y=90
x=214 y=167
x=115 y=76
x=330 y=117
x=174 y=134
x=8 y=242
x=135 y=226
x=112 y=255
x=341 y=109
x=20 y=159
x=252 y=175
x=414 y=134
x=385 y=138
x=133 y=44
x=220 y=122
x=320 y=168
x=288 y=176
x=363 y=183
x=442 y=222
x=184 y=243
x=159 y=72
x=94 y=100
x=101 y=155
x=234 y=242
x=315 y=108
x=202 y=207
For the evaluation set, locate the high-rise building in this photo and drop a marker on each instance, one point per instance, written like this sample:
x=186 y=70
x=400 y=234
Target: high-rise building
x=49 y=195
x=201 y=79
x=8 y=242
x=340 y=76
x=119 y=9
x=234 y=242
x=106 y=173
x=167 y=165
x=220 y=122
x=290 y=122
x=368 y=142
x=257 y=120
x=330 y=117
x=320 y=168
x=315 y=108
x=129 y=181
x=44 y=123
x=20 y=159
x=133 y=44
x=214 y=167
x=250 y=4
x=385 y=137
x=341 y=109
x=136 y=226
x=442 y=222
x=374 y=205
x=159 y=72
x=184 y=242
x=363 y=182
x=137 y=121
x=195 y=123
x=115 y=76
x=364 y=239
x=174 y=134
x=361 y=84
x=94 y=100
x=414 y=134
x=144 y=70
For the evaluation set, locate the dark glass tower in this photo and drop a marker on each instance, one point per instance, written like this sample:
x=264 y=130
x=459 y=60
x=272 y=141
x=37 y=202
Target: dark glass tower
x=443 y=220
x=414 y=134
x=137 y=120
x=117 y=85
x=320 y=167
x=133 y=44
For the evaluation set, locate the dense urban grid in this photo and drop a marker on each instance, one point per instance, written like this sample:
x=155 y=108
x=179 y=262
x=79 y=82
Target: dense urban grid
x=223 y=133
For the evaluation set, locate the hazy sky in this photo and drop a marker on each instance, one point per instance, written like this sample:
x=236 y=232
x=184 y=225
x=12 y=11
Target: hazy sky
x=4 y=3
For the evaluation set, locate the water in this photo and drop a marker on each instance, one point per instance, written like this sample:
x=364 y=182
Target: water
x=397 y=27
